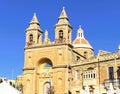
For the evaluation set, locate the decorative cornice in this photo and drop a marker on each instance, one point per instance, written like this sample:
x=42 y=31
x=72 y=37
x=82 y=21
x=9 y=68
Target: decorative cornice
x=64 y=25
x=29 y=68
x=48 y=45
x=60 y=66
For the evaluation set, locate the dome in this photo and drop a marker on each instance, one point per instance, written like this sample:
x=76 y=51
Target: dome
x=80 y=41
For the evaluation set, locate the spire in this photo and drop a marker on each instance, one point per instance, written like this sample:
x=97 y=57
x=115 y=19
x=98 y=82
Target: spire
x=63 y=19
x=63 y=14
x=46 y=39
x=46 y=34
x=34 y=19
x=34 y=23
x=79 y=26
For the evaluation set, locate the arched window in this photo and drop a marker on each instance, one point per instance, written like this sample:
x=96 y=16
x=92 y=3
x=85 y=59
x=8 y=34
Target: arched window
x=81 y=34
x=31 y=38
x=60 y=34
x=38 y=38
x=68 y=34
x=48 y=65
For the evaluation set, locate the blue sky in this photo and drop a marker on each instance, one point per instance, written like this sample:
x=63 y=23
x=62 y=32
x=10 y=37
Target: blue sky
x=100 y=20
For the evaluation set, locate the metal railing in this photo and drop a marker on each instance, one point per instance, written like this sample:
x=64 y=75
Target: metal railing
x=30 y=43
x=60 y=40
x=115 y=82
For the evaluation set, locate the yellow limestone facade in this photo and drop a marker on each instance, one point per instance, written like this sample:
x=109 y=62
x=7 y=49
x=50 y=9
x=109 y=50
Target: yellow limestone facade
x=65 y=66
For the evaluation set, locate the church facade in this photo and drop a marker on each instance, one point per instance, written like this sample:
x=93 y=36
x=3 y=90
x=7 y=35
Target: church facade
x=65 y=66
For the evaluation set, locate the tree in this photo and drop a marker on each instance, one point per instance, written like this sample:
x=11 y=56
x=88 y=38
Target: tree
x=51 y=90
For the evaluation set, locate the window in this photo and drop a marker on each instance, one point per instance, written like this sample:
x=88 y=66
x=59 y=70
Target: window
x=78 y=34
x=77 y=75
x=111 y=73
x=47 y=65
x=90 y=74
x=60 y=34
x=31 y=38
x=85 y=54
x=81 y=34
x=38 y=38
x=68 y=35
x=118 y=72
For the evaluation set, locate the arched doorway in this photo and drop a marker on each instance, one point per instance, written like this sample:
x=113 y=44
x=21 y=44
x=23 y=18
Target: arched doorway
x=44 y=75
x=46 y=88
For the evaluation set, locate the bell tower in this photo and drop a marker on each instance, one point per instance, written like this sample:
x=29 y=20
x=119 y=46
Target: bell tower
x=33 y=32
x=63 y=30
x=46 y=63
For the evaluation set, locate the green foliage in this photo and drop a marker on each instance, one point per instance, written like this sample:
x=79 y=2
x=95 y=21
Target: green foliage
x=51 y=91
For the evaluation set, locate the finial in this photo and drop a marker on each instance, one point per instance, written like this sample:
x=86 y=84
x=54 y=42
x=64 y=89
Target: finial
x=79 y=26
x=34 y=19
x=46 y=31
x=118 y=47
x=46 y=34
x=35 y=13
x=63 y=7
x=63 y=14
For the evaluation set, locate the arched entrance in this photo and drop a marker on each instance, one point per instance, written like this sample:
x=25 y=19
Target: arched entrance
x=46 y=88
x=44 y=75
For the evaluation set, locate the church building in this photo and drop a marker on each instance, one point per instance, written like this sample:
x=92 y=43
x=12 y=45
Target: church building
x=64 y=66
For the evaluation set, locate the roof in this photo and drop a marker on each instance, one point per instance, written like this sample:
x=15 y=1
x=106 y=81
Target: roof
x=34 y=19
x=82 y=43
x=34 y=24
x=63 y=14
x=6 y=88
